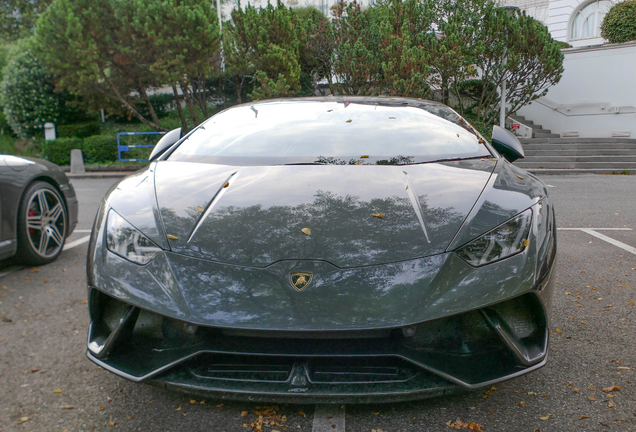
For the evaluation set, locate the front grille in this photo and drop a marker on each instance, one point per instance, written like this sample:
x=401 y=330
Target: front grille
x=360 y=370
x=316 y=370
x=242 y=368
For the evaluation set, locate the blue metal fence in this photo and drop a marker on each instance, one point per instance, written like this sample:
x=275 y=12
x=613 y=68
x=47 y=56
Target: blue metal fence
x=124 y=148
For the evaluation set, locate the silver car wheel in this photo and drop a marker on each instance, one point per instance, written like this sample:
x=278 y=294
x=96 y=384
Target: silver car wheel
x=46 y=223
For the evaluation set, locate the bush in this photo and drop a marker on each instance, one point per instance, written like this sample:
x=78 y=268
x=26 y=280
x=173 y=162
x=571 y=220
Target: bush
x=100 y=148
x=619 y=25
x=78 y=130
x=162 y=104
x=28 y=95
x=59 y=151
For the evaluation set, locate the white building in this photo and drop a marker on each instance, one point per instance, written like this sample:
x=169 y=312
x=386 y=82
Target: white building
x=596 y=96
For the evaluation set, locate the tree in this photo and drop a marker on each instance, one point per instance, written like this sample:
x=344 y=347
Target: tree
x=111 y=49
x=519 y=49
x=619 y=25
x=356 y=63
x=18 y=17
x=28 y=95
x=317 y=45
x=406 y=39
x=264 y=45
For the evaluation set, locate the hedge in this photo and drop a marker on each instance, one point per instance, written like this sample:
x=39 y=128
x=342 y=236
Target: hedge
x=59 y=151
x=96 y=149
x=619 y=25
x=78 y=130
x=99 y=148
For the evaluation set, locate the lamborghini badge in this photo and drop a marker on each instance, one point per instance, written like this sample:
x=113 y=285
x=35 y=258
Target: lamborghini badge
x=300 y=280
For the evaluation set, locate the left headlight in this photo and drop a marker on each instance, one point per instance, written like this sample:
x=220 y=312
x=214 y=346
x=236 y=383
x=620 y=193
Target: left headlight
x=126 y=241
x=507 y=239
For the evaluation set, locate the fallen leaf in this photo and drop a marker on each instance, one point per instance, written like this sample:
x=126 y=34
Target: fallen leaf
x=611 y=389
x=475 y=427
x=364 y=157
x=68 y=407
x=111 y=424
x=546 y=417
x=584 y=417
x=349 y=121
x=34 y=270
x=57 y=391
x=178 y=409
x=631 y=303
x=244 y=413
x=522 y=404
x=592 y=398
x=576 y=390
x=526 y=243
x=532 y=394
x=200 y=209
x=519 y=176
x=558 y=330
x=171 y=237
x=610 y=404
x=45 y=281
x=226 y=184
x=219 y=405
x=101 y=407
x=301 y=413
x=306 y=231
x=26 y=277
x=34 y=370
x=22 y=420
x=375 y=413
x=378 y=215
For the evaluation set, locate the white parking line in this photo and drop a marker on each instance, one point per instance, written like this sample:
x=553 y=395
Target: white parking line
x=593 y=232
x=595 y=229
x=329 y=418
x=76 y=243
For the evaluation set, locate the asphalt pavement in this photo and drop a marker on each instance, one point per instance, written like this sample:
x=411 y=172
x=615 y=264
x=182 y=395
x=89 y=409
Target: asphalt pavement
x=47 y=384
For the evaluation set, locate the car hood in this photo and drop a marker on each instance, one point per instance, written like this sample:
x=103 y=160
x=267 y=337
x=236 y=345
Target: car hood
x=348 y=216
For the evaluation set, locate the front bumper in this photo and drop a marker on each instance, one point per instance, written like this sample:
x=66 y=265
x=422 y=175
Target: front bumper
x=463 y=351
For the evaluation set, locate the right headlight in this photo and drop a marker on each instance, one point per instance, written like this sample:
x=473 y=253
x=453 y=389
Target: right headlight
x=126 y=241
x=507 y=239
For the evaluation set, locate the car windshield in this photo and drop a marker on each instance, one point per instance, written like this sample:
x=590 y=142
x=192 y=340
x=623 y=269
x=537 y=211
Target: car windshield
x=336 y=131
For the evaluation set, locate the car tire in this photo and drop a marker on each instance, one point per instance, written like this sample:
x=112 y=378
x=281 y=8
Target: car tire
x=42 y=224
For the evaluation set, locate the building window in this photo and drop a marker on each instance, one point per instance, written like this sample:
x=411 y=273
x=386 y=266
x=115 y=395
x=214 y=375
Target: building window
x=587 y=20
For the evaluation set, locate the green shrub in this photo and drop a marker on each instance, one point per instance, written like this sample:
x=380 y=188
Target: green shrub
x=7 y=145
x=28 y=95
x=100 y=148
x=162 y=104
x=619 y=25
x=59 y=151
x=78 y=130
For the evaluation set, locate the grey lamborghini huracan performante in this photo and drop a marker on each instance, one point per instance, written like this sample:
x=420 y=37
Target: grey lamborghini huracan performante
x=38 y=209
x=339 y=249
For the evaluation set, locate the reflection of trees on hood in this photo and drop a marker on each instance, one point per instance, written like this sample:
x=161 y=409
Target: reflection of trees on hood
x=343 y=231
x=263 y=298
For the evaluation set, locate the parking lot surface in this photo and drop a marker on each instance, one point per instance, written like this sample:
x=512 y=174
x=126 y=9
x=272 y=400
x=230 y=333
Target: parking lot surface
x=589 y=383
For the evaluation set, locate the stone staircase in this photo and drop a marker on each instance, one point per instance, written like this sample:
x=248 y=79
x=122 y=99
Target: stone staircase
x=537 y=130
x=547 y=153
x=579 y=155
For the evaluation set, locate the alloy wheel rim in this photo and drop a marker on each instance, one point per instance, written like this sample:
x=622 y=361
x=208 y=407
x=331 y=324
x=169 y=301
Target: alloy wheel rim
x=45 y=223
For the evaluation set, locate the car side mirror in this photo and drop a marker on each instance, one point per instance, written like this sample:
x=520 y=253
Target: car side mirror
x=506 y=143
x=165 y=142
